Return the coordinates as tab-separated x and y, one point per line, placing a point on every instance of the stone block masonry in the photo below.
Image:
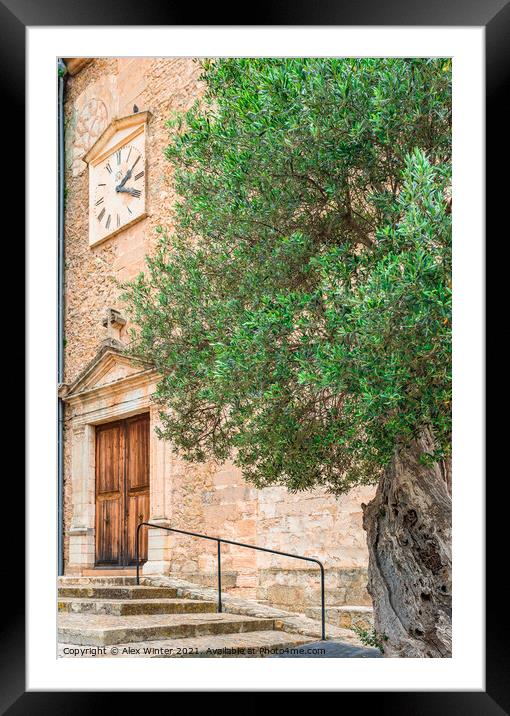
211	498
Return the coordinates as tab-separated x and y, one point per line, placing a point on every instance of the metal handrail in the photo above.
221	540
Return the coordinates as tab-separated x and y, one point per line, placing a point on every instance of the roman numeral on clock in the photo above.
112	218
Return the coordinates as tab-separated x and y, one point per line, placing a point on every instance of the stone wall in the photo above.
103	90
209	498
162	87
317	525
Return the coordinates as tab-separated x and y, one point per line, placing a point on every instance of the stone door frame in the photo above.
93	399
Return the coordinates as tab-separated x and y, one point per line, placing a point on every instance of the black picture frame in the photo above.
494	15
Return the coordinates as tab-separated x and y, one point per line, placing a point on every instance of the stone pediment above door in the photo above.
109	368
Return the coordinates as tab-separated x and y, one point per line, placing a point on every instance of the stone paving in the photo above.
329	650
255	644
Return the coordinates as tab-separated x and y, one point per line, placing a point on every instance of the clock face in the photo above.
118	196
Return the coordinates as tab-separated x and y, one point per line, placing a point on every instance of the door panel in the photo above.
122	489
109	458
108	531
138	512
137	452
109	493
137	484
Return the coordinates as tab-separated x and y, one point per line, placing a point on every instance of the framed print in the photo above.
255	262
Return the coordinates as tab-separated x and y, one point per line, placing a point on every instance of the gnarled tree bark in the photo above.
408	526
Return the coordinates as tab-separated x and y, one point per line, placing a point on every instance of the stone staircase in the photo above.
112	616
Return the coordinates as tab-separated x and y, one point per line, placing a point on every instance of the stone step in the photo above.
124	607
105	581
248	644
104	630
93	591
345	616
114	572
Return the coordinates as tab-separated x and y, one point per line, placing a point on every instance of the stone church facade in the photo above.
116	471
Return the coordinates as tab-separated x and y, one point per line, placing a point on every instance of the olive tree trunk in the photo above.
408	526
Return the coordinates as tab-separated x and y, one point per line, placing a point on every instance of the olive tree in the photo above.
299	312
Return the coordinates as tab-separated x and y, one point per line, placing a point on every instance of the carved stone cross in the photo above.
113	322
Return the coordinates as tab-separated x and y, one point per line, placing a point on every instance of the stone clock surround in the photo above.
111	388
123	131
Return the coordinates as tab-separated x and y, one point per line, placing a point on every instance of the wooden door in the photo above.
122	489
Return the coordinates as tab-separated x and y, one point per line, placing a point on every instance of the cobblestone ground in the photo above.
329	650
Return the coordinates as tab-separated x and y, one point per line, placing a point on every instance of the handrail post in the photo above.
323	604
219	577
136	553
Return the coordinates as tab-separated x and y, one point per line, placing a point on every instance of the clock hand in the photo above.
128	190
128	176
